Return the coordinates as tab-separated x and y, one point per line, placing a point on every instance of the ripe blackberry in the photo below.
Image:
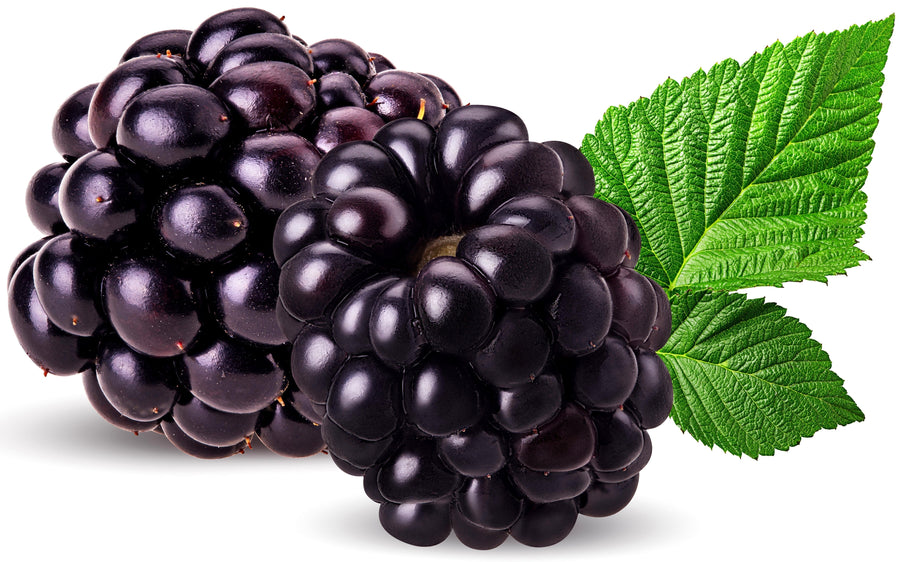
158	282
474	329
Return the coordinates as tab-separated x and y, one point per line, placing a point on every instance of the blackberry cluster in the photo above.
157	279
466	318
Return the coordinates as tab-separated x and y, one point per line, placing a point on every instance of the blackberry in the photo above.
474	329
158	282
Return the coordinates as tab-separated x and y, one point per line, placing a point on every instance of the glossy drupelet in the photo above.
468	316
158	281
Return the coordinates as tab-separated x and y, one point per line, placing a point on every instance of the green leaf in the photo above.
748	378
750	175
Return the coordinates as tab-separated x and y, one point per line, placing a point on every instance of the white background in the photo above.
71	484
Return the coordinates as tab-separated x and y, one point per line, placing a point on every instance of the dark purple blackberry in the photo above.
474	328
159	278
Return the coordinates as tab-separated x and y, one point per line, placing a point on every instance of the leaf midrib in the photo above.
739	374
